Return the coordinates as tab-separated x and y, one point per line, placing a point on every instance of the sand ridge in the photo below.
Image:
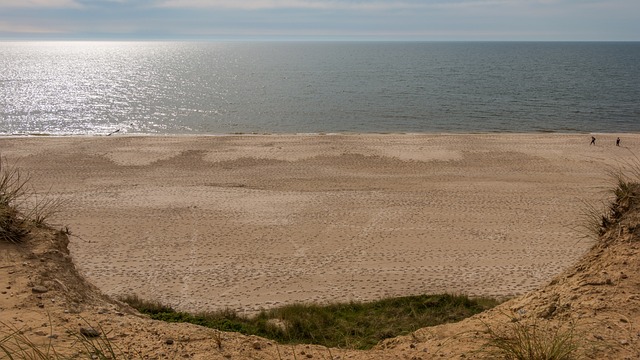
251	222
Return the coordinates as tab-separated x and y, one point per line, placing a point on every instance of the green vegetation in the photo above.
351	325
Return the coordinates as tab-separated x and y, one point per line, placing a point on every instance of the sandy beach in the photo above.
255	221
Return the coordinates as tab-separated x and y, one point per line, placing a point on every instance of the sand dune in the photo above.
251	222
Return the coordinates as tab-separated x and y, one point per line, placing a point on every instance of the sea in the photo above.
158	88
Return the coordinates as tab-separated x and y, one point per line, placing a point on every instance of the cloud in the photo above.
419	19
117	4
293	4
17	28
39	4
356	5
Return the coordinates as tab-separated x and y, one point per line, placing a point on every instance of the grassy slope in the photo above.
345	325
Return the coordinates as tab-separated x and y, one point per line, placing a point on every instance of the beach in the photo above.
248	222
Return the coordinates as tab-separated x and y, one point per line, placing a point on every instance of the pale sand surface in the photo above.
250	222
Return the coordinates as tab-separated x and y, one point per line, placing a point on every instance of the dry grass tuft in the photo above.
596	220
15	345
13	184
20	206
12	189
13	228
537	340
42	207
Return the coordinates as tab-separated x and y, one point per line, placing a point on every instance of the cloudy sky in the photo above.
430	20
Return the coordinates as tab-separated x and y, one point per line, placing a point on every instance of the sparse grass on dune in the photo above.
596	219
540	340
13	184
12	226
15	345
347	325
42	207
20	205
536	340
13	188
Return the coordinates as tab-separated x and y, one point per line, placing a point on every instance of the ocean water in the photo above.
67	88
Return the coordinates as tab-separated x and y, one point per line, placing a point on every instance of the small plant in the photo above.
21	207
12	225
626	194
12	189
520	340
15	345
43	207
145	306
594	221
98	346
217	337
13	184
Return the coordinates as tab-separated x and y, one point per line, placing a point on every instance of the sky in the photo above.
380	20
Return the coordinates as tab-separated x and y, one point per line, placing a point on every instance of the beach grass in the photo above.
20	204
353	325
13	188
535	340
598	218
13	183
15	345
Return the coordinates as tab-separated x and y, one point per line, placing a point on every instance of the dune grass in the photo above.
15	345
354	325
13	188
20	205
13	183
535	340
596	219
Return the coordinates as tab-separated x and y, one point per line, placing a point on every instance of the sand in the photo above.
255	221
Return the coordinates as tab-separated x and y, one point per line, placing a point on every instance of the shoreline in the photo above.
322	133
258	221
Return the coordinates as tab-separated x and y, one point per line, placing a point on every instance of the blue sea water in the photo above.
66	88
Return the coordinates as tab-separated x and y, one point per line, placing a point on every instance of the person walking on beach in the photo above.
593	140
618	142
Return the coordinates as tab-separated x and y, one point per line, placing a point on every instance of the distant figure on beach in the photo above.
618	142
593	140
